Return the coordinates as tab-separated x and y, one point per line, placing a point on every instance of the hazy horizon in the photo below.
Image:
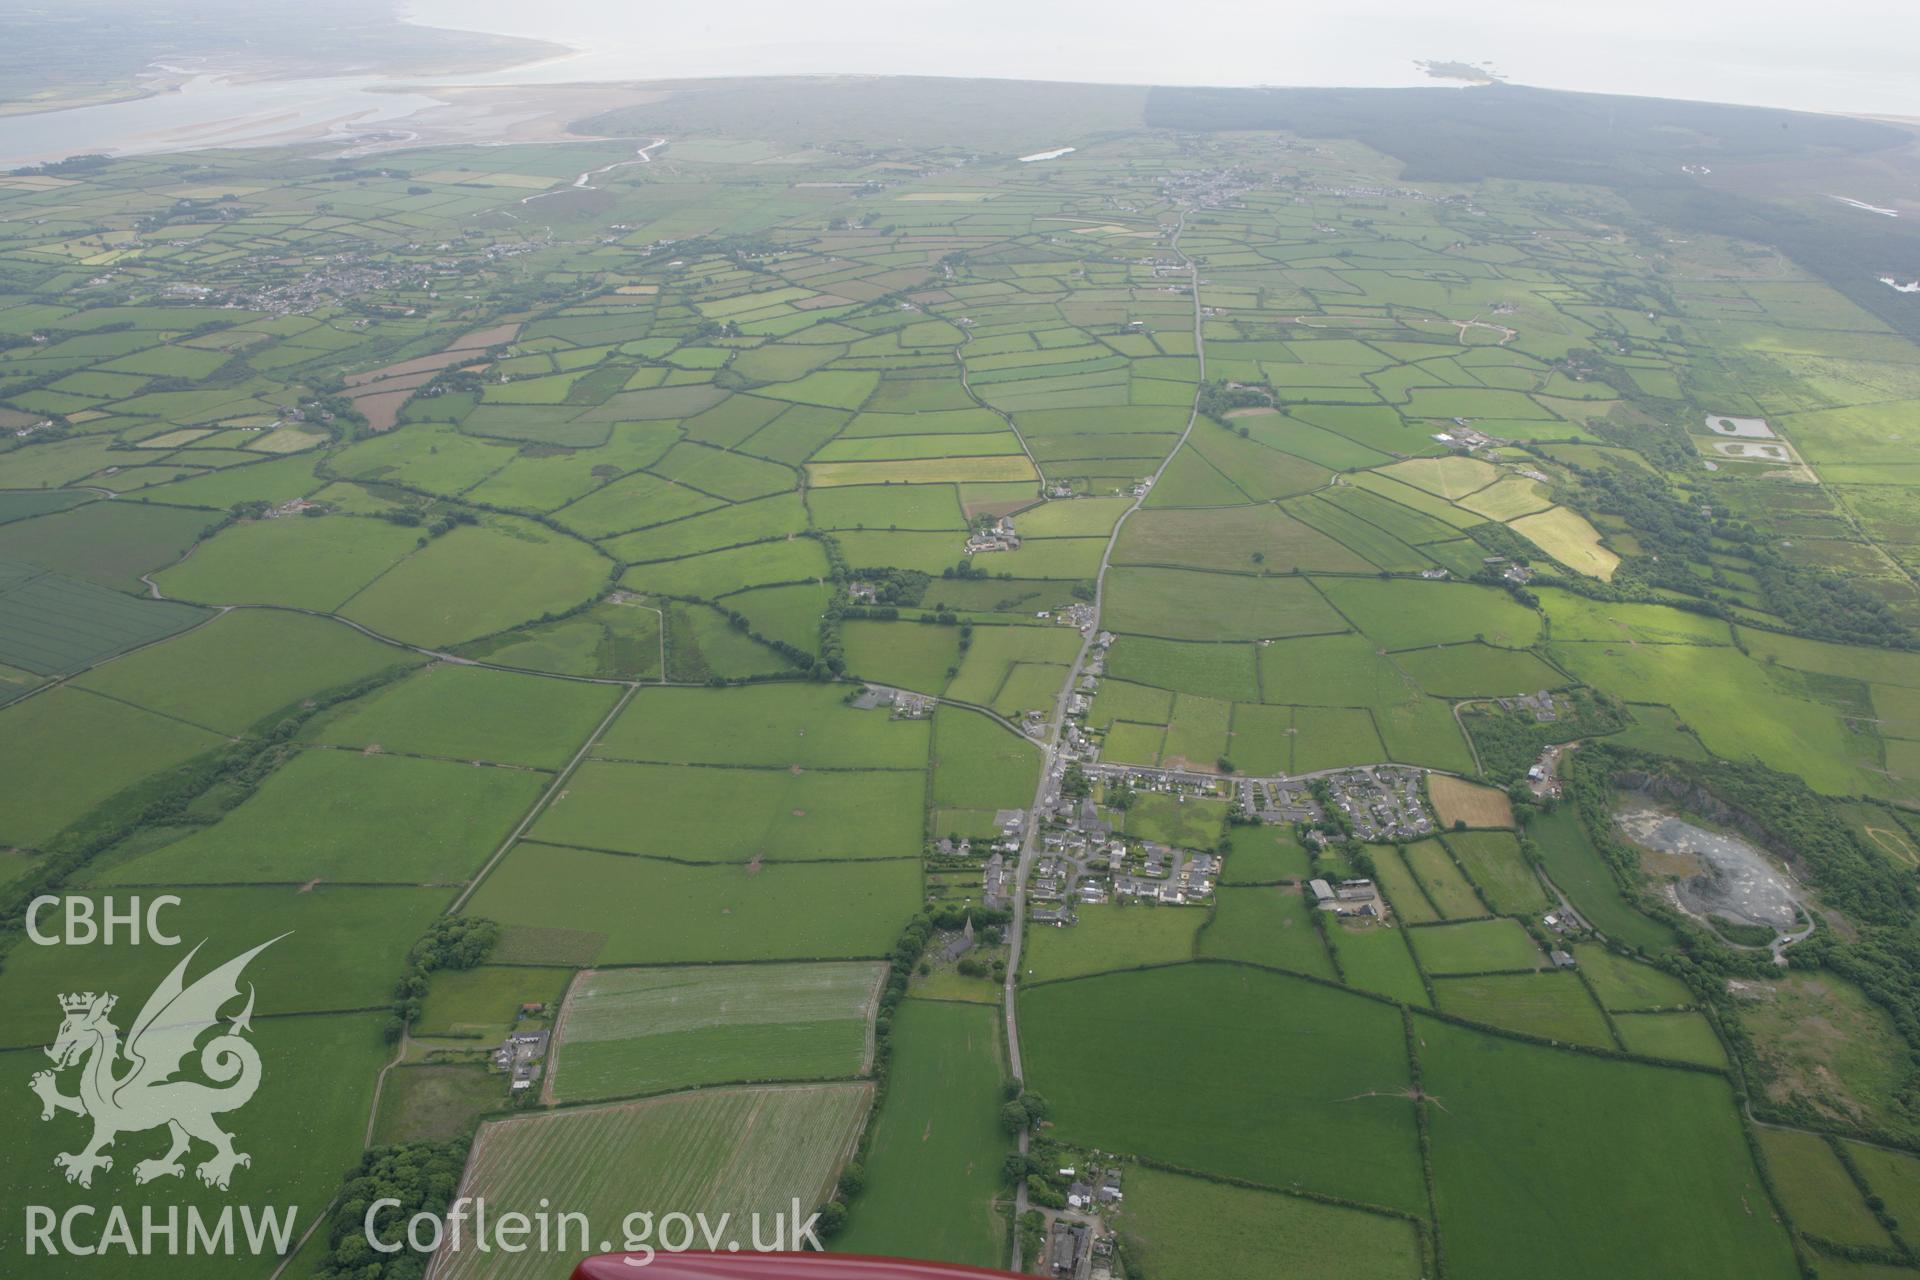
1855	57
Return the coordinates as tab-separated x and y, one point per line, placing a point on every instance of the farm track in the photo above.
1472	749
960	358
1057	721
380	1083
539	806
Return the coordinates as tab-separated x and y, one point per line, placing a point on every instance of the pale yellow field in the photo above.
1508	497
1013	466
521	181
288	440
1452	477
1567	537
211	192
1455	800
174	439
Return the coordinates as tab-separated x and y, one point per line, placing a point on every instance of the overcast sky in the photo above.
1828	55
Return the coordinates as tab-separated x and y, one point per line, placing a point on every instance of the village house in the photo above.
993	882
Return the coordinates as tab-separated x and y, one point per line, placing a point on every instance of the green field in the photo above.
701	814
1186	605
647	911
1403	615
1740	711
1679	1037
1893	1176
1816	1190
896	653
1478	671
54	625
1445	887
1475	946
990	671
471	713
243	666
1210	670
334	815
738	1151
1494	861
626	1032
1270	925
1332	671
1110	936
1553	1006
306	564
67	750
1377	959
619	640
1625	985
979	765
1502	1108
773	725
1321	1241
436	1103
1306	1083
933	1171
530	571
111	543
1406	893
1264	854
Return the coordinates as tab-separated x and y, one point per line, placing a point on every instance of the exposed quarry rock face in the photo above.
1733	878
1683	793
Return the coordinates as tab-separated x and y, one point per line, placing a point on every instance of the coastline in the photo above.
477	53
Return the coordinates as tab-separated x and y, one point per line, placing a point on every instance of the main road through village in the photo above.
1050	773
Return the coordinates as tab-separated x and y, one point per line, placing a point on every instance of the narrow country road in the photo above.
1049	783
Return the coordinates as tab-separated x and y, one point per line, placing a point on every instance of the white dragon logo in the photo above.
146	1095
